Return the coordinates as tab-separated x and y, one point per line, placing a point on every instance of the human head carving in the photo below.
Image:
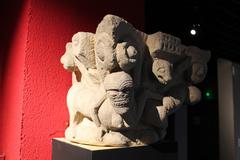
119	88
162	69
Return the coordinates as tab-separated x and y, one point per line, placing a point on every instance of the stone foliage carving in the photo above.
126	83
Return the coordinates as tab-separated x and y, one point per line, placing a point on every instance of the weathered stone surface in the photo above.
126	83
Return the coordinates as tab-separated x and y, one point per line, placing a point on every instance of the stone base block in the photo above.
65	150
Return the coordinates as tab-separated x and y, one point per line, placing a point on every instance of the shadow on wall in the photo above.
9	14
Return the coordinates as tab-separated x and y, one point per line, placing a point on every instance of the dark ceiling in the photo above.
219	23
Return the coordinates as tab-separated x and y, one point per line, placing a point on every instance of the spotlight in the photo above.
194	30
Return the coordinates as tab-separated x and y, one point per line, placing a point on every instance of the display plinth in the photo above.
65	150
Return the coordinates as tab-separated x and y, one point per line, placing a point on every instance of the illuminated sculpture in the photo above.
126	83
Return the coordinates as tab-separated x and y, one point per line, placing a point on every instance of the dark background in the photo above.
219	32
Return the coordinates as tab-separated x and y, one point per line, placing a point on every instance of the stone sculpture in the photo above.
126	83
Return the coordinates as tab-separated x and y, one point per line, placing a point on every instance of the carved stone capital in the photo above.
130	82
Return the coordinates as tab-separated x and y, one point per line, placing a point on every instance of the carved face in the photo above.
198	72
119	88
126	55
119	97
162	70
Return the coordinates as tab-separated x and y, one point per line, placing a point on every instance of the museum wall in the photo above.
33	82
14	31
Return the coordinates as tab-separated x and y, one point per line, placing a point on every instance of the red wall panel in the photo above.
40	111
13	56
